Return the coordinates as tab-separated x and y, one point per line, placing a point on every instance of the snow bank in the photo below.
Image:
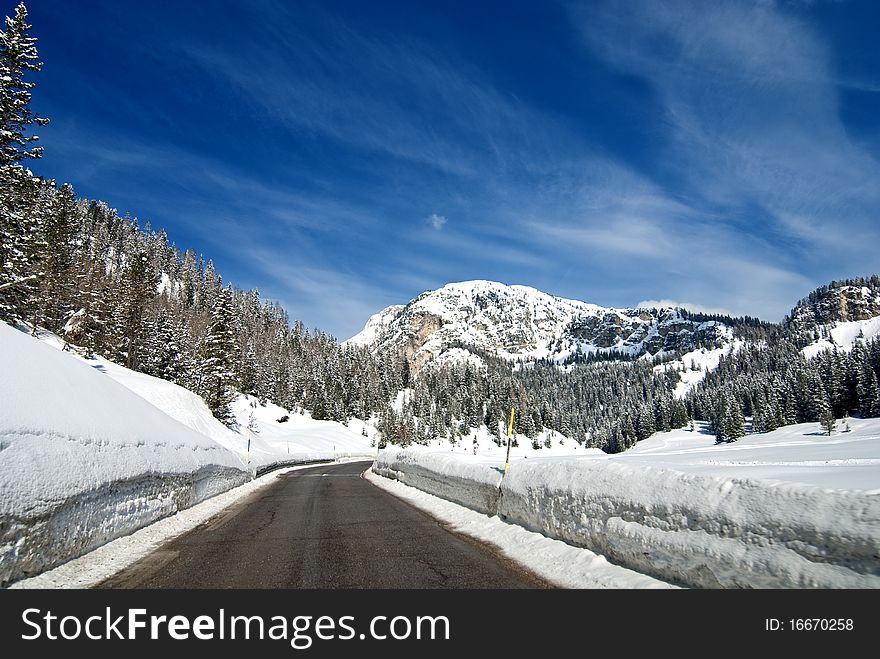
701	531
470	484
83	460
697	530
298	440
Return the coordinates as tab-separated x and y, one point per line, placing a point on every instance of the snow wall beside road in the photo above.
472	485
694	530
84	460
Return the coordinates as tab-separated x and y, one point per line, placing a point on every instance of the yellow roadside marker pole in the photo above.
509	440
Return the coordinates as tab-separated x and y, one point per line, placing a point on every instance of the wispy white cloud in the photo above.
437	221
402	98
749	89
626	230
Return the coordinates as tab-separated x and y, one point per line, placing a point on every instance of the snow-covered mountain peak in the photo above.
522	323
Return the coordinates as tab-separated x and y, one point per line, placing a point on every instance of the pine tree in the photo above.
870	402
18	57
218	373
629	431
662	414
761	414
19	235
790	408
644	423
19	221
679	416
821	408
252	424
734	423
139	287
86	326
56	295
167	358
828	422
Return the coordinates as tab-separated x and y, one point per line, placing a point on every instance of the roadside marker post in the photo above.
249	447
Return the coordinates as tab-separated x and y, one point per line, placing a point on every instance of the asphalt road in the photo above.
323	527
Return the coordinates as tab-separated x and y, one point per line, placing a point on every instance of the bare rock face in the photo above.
838	302
522	323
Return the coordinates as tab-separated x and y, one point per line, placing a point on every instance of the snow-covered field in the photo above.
791	508
90	451
799	453
792	454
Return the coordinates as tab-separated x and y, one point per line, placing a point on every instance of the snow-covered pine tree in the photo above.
870	403
139	287
18	187
828	422
18	57
167	360
644	423
252	424
629	431
821	408
19	236
217	369
760	413
679	414
56	291
734	423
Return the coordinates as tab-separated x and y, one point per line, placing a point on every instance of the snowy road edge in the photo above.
553	560
94	567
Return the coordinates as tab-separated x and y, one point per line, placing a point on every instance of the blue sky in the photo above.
344	156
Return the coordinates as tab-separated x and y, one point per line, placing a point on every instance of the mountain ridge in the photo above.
519	322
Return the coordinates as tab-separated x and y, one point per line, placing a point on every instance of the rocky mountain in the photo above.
522	323
843	301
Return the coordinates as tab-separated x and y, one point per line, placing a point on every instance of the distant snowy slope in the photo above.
693	366
843	335
519	322
300	434
77	446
